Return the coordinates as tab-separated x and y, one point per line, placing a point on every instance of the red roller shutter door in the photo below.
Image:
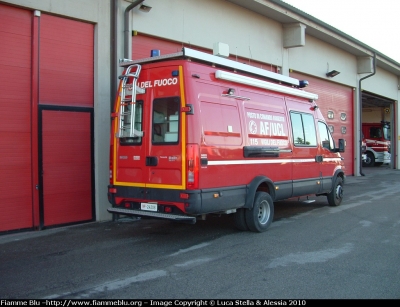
66	104
338	100
142	45
16	188
66	62
66	167
45	60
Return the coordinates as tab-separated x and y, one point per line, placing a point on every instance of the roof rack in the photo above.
209	58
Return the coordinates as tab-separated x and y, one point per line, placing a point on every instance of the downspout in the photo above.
114	51
360	106
114	42
126	28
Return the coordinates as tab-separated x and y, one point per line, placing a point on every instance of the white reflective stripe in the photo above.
275	161
232	162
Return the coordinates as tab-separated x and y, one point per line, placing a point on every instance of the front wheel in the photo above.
370	161
335	197
260	217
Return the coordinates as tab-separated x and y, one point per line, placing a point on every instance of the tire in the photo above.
370	161
260	217
335	197
239	220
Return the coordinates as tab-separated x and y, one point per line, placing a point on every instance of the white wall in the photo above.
205	22
317	58
382	83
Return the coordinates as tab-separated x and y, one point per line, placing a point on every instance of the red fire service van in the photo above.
195	134
377	140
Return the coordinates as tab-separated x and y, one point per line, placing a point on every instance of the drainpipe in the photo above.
126	28
360	103
114	51
114	42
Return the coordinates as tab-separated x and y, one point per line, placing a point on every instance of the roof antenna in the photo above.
236	53
251	56
183	27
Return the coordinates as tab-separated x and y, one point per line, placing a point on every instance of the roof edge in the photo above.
332	29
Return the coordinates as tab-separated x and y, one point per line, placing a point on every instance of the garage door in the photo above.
66	62
336	104
45	61
16	185
65	165
65	121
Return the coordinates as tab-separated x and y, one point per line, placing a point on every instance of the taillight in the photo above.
192	158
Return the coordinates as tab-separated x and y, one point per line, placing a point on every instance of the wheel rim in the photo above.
264	212
339	192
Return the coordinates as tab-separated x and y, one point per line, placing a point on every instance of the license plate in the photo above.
148	206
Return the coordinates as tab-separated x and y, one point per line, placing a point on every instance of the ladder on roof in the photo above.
127	109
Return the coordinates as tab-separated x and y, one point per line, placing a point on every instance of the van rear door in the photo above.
155	158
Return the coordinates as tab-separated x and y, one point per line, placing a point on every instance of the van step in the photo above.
180	218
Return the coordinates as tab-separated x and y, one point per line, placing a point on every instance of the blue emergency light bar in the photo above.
154	53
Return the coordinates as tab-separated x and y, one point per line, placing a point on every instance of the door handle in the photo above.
151	161
319	158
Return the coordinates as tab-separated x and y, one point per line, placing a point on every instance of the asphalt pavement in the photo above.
353	253
372	174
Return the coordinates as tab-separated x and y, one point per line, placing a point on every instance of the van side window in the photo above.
165	123
325	136
303	127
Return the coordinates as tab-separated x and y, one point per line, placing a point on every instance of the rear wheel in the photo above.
335	197
240	220
260	217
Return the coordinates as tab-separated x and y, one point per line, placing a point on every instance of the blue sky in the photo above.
375	23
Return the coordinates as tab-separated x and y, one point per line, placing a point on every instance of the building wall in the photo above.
317	58
203	23
383	83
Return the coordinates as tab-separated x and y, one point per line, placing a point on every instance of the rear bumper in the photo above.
196	202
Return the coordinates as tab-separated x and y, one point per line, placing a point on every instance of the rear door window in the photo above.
166	118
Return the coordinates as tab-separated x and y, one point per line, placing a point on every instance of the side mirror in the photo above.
342	146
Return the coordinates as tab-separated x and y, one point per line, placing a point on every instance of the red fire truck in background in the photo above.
195	134
377	140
